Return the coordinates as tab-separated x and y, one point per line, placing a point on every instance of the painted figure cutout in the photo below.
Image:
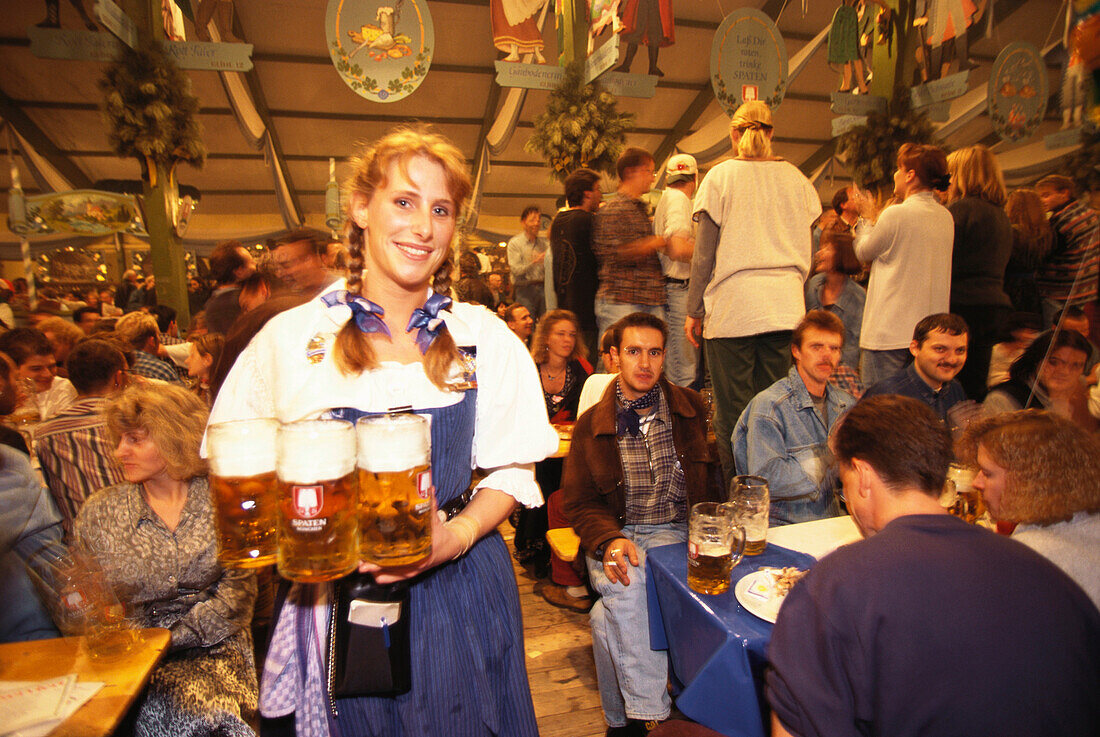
515	30
648	22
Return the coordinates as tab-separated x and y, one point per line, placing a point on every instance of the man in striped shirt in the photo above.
1068	277
73	448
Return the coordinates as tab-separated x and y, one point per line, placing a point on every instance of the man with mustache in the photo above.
939	352
783	433
637	463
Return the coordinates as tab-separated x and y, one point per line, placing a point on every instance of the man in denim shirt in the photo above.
783	433
939	351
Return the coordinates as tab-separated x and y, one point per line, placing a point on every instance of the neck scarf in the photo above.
368	316
627	418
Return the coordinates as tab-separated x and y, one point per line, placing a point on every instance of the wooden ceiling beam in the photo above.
12	111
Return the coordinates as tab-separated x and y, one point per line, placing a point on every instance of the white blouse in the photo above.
288	372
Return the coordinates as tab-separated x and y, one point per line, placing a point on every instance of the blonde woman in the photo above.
980	254
751	259
389	337
154	537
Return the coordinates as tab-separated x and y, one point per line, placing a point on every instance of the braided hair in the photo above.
352	351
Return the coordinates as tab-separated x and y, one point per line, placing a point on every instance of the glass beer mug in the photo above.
318	529
716	543
245	490
750	499
395	489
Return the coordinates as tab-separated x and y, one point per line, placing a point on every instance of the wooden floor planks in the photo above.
560	668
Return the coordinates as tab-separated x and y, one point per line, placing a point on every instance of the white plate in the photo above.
756	592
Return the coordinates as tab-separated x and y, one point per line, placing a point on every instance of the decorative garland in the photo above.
409	81
150	111
582	127
870	151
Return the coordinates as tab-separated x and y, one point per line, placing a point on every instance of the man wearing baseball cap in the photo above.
673	221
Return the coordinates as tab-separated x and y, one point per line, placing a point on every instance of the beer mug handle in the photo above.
735	556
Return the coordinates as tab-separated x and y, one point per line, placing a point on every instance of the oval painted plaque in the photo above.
748	60
1017	91
381	48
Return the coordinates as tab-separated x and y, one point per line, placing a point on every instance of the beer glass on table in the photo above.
245	490
962	499
715	545
318	528
395	489
750	498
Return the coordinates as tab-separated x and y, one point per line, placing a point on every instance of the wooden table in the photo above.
123	677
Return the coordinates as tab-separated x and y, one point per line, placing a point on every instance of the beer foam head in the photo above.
243	448
393	442
315	450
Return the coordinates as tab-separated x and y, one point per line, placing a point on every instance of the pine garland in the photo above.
870	151
581	127
150	111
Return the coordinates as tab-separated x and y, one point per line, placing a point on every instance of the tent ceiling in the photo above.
314	115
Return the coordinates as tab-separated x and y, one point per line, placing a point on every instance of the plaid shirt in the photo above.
654	478
636	281
152	367
76	456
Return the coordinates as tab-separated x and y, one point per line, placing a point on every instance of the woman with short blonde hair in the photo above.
154	537
980	254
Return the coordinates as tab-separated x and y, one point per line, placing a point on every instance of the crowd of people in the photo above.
851	354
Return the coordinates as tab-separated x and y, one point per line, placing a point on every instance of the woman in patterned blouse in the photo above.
154	537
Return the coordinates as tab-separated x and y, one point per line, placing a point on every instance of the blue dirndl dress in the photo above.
469	678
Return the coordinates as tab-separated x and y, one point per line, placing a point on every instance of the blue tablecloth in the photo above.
716	648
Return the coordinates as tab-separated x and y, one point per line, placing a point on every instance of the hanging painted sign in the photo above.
381	48
1017	91
748	60
81	211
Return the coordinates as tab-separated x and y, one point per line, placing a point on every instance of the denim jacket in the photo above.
781	437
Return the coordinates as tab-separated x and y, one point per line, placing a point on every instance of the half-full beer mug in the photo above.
245	490
716	543
318	529
395	489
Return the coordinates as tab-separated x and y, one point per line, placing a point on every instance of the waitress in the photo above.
389	337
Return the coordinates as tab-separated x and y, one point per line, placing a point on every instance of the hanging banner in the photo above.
1017	91
80	211
748	60
381	48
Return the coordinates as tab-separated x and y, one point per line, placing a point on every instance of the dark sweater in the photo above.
983	245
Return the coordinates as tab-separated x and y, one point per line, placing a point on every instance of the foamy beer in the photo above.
245	490
318	529
715	545
395	489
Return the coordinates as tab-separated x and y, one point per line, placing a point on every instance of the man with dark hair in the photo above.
636	465
846	206
139	330
470	287
526	260
892	636
783	433
36	366
624	244
85	318
1068	275
74	449
299	259
519	321
575	268
939	348
230	264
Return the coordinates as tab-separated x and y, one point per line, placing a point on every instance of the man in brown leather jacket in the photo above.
638	460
